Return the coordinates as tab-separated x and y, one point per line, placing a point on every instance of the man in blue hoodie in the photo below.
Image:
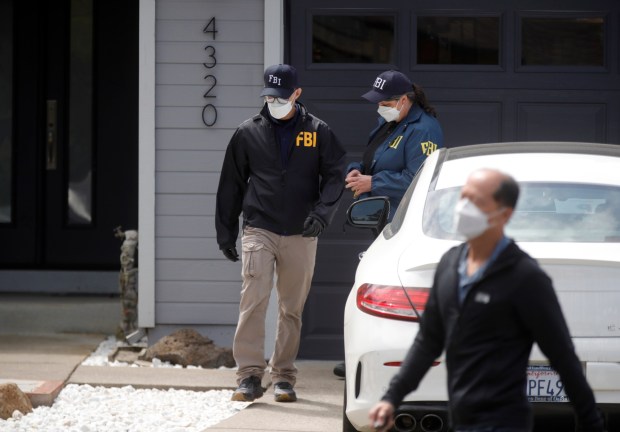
489	303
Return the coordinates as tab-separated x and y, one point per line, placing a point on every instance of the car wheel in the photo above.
346	424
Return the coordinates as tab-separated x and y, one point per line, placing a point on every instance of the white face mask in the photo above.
279	110
469	221
389	113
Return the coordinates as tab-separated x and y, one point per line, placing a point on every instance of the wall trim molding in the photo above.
146	174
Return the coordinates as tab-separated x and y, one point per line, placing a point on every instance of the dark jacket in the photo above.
399	157
488	341
278	199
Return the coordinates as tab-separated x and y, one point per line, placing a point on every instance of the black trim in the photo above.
531	147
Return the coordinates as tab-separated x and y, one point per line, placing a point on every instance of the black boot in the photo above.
339	370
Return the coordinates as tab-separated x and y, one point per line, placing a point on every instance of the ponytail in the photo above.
419	97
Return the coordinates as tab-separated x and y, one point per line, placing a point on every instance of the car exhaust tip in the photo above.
404	422
431	423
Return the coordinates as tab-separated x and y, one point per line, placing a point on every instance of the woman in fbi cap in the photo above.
406	133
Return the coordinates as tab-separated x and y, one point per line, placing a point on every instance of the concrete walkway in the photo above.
318	408
44	339
42	364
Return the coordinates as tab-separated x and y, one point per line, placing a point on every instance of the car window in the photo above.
397	221
545	212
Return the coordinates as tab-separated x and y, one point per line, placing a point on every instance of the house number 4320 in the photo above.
209	111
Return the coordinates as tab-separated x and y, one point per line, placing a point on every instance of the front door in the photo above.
68	132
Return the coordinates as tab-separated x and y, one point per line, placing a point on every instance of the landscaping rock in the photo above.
13	399
187	347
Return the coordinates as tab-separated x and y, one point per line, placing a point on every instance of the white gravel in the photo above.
99	357
83	408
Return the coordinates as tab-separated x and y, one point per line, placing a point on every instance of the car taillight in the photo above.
389	301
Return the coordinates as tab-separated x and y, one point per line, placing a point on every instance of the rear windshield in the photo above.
545	212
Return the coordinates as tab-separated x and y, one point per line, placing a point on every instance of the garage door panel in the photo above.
467	123
561	121
322	322
336	263
351	120
334	275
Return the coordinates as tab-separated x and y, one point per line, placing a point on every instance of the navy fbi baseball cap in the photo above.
389	83
280	81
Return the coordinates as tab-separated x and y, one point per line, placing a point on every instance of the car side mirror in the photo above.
369	213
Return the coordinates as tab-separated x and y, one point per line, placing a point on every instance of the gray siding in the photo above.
194	285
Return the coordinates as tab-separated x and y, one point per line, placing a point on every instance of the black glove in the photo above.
231	253
313	227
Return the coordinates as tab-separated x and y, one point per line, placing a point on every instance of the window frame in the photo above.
311	13
500	67
518	50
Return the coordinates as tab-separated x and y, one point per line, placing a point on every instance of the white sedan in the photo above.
567	217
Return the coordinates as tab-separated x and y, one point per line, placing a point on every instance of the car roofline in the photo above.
516	147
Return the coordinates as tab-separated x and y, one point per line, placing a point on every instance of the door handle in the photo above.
51	135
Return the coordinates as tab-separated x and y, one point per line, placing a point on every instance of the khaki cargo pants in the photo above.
292	259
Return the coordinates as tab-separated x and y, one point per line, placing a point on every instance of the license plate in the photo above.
544	385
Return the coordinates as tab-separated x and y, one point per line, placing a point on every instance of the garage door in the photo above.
495	71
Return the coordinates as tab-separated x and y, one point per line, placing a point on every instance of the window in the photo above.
353	39
546	212
399	213
562	41
453	40
79	190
